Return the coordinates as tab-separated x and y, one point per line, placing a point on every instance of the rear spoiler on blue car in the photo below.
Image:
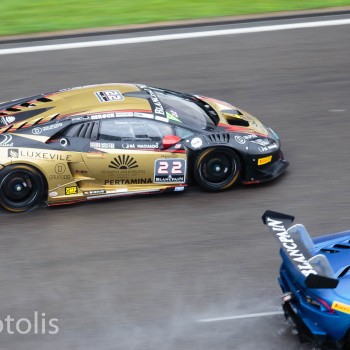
297	245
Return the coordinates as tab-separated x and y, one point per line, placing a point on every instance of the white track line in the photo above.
261	314
168	37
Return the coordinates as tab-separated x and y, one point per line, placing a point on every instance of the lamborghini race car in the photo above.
120	139
315	280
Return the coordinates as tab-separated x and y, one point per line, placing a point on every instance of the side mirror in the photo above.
170	140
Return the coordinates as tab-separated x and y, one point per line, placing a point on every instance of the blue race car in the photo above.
315	280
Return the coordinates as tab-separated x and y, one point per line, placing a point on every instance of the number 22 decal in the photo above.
170	170
175	169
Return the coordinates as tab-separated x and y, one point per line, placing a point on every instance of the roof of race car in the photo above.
65	103
103	101
106	101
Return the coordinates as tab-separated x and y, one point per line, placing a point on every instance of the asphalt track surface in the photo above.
142	272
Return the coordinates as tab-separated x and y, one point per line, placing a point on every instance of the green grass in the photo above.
32	16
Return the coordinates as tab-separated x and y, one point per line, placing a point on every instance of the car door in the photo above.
128	155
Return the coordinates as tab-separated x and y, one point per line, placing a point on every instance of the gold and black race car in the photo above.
114	140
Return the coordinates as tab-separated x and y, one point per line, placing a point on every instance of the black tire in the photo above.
346	343
217	169
21	188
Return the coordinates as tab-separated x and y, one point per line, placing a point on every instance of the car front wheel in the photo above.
21	188
217	169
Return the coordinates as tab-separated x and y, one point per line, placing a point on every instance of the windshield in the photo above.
185	109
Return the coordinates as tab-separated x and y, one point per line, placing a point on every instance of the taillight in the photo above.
321	304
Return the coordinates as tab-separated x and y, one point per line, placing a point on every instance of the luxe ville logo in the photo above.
38	324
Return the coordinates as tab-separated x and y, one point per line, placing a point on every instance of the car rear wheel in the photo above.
21	188
217	169
346	342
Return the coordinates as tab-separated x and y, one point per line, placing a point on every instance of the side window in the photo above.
123	129
157	130
183	133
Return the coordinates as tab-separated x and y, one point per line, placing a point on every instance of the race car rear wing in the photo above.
297	245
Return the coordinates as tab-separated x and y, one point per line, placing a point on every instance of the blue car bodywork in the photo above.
315	280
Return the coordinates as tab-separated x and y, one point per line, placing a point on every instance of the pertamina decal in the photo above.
337	305
118	182
265	160
71	190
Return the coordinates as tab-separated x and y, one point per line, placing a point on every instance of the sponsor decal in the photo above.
94	192
107	145
179	189
60	168
196	142
267	148
140	145
172	115
71	190
157	106
79	118
38	130
290	247
6	120
111	115
16	153
59	177
128	181
81	171
5	140
250	136
124	173
53	194
337	305
265	160
13	153
143	115
123	163
169	170
109	95
240	139
261	142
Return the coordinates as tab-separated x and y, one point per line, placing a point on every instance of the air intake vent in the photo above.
218	138
82	130
27	104
341	246
329	250
237	122
38	121
44	99
12	109
344	272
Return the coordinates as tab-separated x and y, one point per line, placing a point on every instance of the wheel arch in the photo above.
195	155
39	169
214	186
